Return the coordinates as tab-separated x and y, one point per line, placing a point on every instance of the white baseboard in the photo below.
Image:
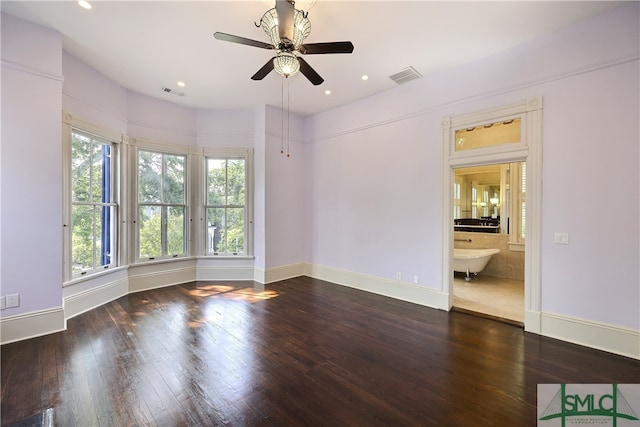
283	272
377	285
159	279
225	273
609	338
532	321
31	325
95	297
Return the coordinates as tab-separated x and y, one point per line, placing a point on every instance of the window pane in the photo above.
226	205
150	218
80	168
97	162
505	132
235	182
106	236
235	230
216	181
82	239
149	177
215	230
174	180
175	230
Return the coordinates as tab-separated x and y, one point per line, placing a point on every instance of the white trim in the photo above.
381	286
532	321
601	336
483	95
31	325
27	69
97	131
82	302
159	147
205	273
160	279
529	150
283	272
249	164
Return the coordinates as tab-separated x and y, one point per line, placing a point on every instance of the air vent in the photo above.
172	91
405	75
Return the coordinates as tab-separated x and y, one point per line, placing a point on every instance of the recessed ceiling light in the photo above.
85	4
365	77
181	84
327	92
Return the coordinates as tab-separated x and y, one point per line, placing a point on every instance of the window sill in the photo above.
227	257
161	260
93	275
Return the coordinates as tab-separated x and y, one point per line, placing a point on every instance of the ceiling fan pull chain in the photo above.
288	120
282	117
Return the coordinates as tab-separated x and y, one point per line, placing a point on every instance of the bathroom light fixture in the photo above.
85	4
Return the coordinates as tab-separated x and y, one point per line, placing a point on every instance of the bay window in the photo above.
162	205
93	203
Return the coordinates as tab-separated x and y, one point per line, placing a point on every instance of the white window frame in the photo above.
164	149
229	153
70	124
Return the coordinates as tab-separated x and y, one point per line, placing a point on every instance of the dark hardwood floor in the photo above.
302	353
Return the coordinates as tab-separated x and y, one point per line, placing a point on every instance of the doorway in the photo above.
461	152
489	216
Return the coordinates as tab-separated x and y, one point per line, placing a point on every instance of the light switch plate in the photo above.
561	238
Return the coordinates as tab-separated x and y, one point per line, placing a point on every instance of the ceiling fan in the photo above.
287	28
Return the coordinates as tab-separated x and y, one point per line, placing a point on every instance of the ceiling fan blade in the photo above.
310	73
329	47
285	11
262	72
241	40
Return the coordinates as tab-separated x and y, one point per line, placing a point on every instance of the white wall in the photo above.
93	98
31	174
375	168
160	120
284	190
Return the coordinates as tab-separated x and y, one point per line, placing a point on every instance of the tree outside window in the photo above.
92	203
161	204
225	206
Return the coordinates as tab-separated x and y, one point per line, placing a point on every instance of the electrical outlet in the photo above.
3	303
416	280
398	276
13	300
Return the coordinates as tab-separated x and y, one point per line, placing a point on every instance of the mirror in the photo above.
479	196
491	199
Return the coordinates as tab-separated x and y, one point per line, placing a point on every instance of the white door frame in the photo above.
529	149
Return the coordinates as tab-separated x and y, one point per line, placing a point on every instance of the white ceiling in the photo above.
147	45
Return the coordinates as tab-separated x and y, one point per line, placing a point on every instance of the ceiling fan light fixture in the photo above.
286	64
301	28
269	23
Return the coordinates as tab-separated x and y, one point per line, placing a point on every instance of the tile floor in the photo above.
492	296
